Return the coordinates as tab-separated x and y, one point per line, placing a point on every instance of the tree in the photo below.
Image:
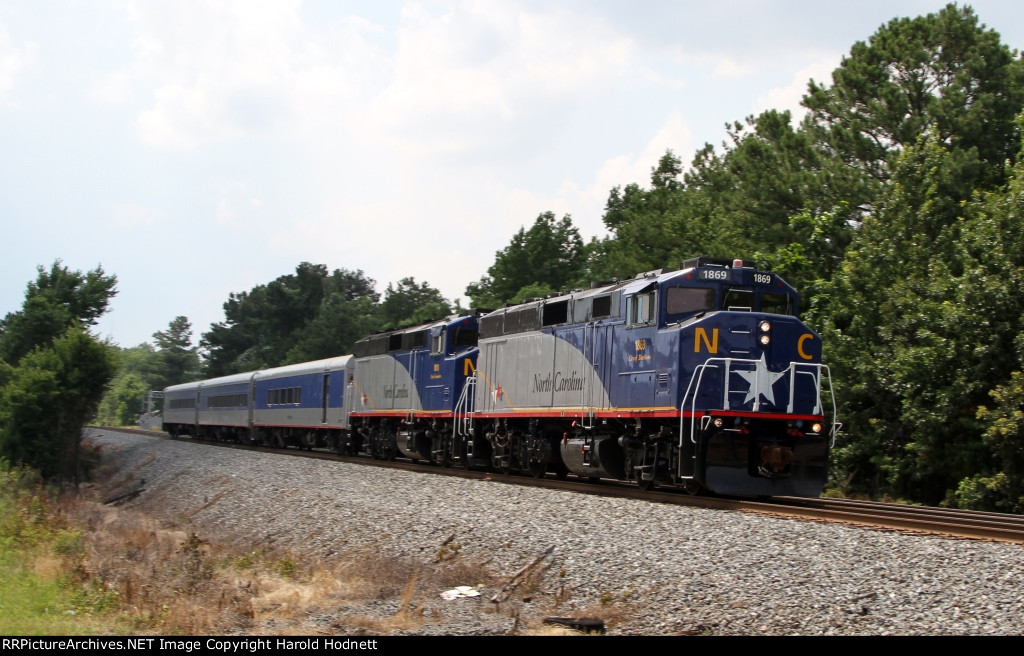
265	326
177	359
994	244
143	368
943	74
47	399
336	328
53	372
550	253
124	400
410	303
647	225
920	314
57	299
924	317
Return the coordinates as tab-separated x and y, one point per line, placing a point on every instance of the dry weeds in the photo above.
161	579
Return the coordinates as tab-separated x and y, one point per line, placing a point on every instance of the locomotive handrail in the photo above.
814	370
464	408
349	404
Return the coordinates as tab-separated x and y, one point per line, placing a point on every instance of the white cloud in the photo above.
210	70
130	215
476	75
237	206
12	60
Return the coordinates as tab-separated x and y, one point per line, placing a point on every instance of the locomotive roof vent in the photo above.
652	274
718	262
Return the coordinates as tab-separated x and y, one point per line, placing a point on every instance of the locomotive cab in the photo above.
752	415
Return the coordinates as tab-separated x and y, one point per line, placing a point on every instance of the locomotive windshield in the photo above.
746	300
777	303
684	301
739	300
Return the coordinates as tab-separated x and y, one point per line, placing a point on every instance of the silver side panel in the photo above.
535	371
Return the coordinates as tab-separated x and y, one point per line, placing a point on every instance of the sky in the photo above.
195	148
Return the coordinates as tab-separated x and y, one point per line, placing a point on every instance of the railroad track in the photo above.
1002	527
906	518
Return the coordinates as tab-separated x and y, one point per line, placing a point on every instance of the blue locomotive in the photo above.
406	384
701	378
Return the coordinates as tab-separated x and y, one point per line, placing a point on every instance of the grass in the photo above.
36	548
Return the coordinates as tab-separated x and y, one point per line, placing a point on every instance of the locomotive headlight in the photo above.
718	422
766	326
816	427
763	340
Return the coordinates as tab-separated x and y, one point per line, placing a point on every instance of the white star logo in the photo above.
761	381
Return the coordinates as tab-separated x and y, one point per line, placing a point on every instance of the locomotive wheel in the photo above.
646	486
693	488
538	456
464	456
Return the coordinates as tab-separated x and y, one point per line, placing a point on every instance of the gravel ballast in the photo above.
651	569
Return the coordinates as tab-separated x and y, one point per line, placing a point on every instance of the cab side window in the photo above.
641	308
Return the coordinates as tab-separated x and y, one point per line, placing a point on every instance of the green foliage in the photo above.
550	253
124	400
272	323
940	73
143	368
58	298
177	360
30	526
924	319
647	224
410	303
54	371
338	325
49	397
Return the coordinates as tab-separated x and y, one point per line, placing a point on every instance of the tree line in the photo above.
893	205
